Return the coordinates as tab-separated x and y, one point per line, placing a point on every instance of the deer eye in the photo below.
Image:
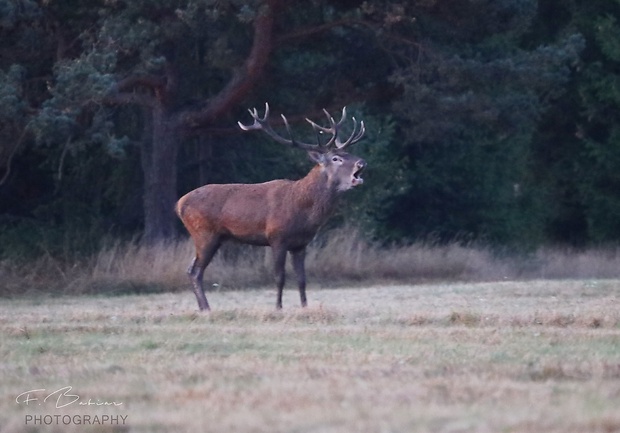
335	159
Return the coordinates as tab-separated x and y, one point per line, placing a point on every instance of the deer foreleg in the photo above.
279	262
299	257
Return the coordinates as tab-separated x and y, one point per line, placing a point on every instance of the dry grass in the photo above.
342	258
594	263
485	357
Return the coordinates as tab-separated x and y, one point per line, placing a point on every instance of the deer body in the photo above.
285	211
282	214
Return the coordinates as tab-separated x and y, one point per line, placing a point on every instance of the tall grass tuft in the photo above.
567	263
337	258
346	255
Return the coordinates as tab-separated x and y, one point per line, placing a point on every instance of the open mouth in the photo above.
357	176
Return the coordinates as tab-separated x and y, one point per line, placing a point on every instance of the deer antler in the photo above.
333	129
262	123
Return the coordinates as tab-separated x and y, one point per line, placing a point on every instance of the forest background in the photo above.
494	122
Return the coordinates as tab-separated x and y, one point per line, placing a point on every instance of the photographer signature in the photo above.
61	398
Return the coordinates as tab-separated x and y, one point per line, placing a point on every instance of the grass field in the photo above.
537	356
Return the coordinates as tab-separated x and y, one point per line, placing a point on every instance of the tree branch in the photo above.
172	82
125	91
347	22
12	154
244	79
311	31
133	98
133	81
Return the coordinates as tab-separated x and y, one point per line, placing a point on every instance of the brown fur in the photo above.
283	214
282	211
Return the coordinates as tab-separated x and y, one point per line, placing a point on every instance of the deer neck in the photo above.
316	193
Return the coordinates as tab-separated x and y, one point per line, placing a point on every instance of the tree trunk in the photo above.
205	154
159	157
159	154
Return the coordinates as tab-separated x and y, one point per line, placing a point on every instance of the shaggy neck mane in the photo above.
316	192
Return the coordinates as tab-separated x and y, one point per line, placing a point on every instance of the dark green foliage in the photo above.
577	151
600	163
487	120
470	106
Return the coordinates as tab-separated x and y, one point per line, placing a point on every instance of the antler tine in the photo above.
333	130
263	124
266	116
361	134
315	147
288	129
344	115
258	122
330	118
354	137
340	144
318	129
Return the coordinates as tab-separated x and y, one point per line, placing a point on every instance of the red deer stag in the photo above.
282	214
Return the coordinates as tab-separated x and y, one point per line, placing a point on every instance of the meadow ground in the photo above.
472	357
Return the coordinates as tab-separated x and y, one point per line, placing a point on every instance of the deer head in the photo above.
342	169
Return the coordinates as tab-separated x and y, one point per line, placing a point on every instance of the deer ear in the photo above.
317	157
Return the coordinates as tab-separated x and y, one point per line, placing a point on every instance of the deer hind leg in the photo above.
299	257
279	262
205	250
